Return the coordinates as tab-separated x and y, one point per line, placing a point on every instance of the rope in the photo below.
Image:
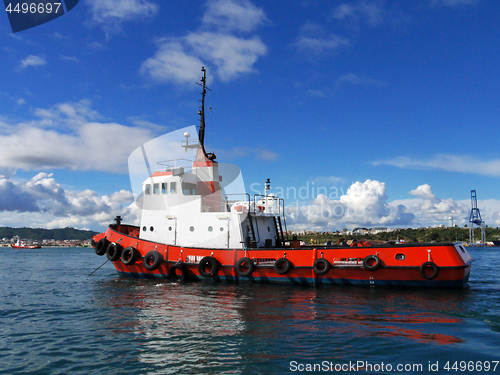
90	274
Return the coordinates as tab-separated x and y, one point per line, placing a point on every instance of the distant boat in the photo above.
18	244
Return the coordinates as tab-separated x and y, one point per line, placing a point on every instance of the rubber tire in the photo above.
93	243
320	271
434	272
114	251
173	275
214	267
240	271
373	267
156	259
129	256
286	266
101	247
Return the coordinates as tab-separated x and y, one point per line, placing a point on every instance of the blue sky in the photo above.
384	113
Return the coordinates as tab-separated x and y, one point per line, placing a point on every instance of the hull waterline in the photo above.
399	265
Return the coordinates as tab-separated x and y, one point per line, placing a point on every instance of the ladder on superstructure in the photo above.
280	238
250	232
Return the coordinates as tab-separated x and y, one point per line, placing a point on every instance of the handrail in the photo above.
160	164
284	216
267	197
240	194
187	164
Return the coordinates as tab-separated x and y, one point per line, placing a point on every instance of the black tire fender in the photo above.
248	264
172	272
282	266
101	247
129	256
114	251
321	266
433	266
374	266
211	262
152	260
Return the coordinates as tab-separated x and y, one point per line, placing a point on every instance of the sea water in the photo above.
56	319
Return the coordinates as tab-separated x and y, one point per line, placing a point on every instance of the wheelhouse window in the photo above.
188	188
156	188
147	189
173	187
164	187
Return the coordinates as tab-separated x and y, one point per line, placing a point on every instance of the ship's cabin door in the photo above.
171	231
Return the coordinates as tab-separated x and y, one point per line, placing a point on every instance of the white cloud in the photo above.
110	14
424	192
364	204
41	201
449	163
70	58
79	143
179	59
320	44
230	54
171	63
368	11
105	11
313	93
232	15
357	80
32	60
431	210
316	39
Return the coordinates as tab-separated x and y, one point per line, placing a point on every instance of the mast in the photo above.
201	112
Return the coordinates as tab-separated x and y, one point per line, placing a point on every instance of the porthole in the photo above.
144	228
400	257
191	228
170	229
151	228
210	229
268	229
222	229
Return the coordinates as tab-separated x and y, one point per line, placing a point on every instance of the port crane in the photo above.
475	220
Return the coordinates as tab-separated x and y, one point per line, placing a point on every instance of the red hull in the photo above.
446	265
26	246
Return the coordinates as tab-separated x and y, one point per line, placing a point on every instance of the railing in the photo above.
244	200
181	166
169	165
263	204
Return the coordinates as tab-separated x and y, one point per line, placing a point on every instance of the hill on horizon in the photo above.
39	234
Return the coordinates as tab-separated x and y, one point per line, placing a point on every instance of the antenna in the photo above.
201	112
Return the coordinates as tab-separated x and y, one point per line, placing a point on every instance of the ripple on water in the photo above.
57	320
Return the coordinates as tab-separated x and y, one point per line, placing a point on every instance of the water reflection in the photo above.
232	328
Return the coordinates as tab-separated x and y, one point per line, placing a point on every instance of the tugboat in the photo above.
195	225
18	244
